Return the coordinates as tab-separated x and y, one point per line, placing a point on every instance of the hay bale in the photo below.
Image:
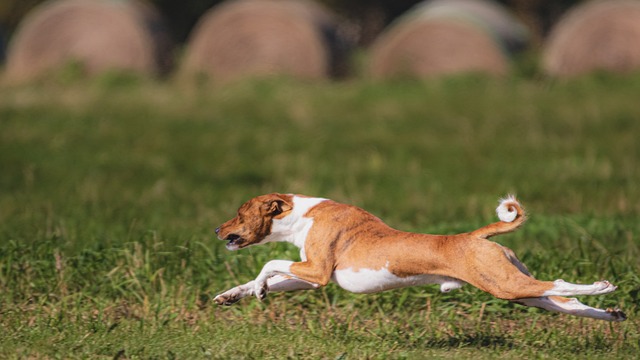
99	35
262	37
448	36
598	35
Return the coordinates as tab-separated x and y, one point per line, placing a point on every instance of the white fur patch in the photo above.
366	281
294	227
574	307
274	267
563	288
505	211
450	284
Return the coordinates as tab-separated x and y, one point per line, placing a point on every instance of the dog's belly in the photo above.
365	281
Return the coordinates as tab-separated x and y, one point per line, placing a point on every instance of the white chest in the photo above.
295	227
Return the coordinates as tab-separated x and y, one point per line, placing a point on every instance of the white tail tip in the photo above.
506	211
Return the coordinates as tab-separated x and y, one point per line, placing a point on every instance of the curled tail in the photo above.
511	215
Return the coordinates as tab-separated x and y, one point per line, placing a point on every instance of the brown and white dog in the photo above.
360	253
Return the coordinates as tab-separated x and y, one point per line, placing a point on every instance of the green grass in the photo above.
110	191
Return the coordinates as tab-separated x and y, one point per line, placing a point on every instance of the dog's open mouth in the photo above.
234	241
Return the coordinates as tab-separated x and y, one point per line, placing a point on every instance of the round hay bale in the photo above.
598	35
262	37
448	36
99	35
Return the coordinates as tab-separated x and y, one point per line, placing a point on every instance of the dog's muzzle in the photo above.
233	240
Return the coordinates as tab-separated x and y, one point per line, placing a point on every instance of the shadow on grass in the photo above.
478	340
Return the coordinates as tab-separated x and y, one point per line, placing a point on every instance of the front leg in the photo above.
276	283
317	274
233	295
270	269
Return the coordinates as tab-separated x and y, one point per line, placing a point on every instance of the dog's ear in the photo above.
277	206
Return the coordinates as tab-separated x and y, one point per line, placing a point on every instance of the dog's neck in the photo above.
294	227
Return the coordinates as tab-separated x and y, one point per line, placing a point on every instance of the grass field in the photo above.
110	191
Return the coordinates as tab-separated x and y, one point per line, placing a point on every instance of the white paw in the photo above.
227	298
605	287
232	296
447	286
260	290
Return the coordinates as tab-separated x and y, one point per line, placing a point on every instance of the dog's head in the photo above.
254	220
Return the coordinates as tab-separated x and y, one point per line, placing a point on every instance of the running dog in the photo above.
356	250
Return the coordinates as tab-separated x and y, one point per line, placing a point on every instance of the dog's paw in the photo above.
605	287
261	290
226	300
617	314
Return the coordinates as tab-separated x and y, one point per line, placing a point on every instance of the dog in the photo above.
356	250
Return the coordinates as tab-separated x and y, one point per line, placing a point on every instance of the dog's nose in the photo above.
217	230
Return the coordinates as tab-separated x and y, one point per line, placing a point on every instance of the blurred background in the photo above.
314	39
369	16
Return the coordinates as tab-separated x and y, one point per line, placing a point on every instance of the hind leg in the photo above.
573	307
496	270
561	287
